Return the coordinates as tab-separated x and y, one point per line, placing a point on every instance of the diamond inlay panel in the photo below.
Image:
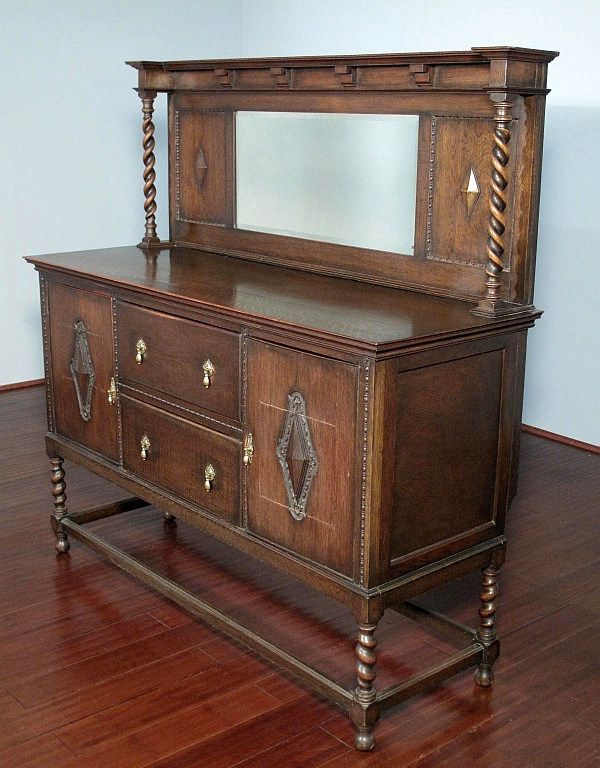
82	372
470	191
296	455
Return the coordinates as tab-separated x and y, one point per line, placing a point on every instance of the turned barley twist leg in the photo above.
363	712
495	245
57	477
150	237
486	634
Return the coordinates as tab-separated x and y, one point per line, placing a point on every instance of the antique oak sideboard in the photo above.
323	366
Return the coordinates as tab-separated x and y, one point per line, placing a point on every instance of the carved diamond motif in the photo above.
470	191
82	371
297	456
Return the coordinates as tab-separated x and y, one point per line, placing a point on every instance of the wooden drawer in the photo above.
178	455
175	352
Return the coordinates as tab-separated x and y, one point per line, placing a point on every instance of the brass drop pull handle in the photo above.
209	371
140	351
209	476
112	393
145	446
248	449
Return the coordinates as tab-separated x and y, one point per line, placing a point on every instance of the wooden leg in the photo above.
168	517
59	492
486	634
150	238
364	710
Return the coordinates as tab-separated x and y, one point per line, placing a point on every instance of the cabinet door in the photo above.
302	483
82	362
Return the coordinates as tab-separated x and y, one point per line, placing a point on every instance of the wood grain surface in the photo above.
97	670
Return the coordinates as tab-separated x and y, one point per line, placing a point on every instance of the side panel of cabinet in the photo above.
455	409
82	365
302	412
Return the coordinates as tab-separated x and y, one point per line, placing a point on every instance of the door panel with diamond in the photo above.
81	340
302	483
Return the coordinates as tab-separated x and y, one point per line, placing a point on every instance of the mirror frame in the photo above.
465	101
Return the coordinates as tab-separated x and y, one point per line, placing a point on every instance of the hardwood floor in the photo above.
96	670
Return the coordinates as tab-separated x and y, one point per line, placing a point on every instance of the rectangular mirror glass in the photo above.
340	178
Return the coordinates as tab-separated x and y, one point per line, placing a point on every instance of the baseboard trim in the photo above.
21	385
589	447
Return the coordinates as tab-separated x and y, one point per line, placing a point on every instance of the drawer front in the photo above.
304	476
81	347
187	360
178	454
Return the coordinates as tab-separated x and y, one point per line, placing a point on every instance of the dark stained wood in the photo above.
496	245
202	166
361	438
177	457
318	306
57	477
176	351
460	127
477	70
107	510
541	712
330	583
450	92
329	388
363	713
460	146
150	239
68	307
486	634
446	451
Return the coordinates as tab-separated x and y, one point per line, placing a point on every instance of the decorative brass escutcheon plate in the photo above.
209	372
145	446
140	351
209	476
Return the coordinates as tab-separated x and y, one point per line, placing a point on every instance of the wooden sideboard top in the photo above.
377	316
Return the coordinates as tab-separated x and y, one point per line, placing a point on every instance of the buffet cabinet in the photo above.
160	396
348	415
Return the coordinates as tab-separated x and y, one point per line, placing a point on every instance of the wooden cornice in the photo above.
473	56
521	70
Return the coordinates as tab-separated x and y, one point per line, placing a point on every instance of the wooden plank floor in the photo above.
96	670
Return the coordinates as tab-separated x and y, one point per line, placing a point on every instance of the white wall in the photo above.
70	155
562	392
70	161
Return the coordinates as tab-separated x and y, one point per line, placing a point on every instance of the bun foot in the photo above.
168	517
62	543
484	675
364	740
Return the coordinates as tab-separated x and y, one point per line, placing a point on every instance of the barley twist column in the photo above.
150	238
486	634
57	478
492	301
365	693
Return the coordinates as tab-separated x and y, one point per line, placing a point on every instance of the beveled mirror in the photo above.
340	178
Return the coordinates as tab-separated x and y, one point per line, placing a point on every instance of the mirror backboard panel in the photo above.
413	213
339	178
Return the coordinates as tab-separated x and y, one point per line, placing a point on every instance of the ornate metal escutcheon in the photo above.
82	371
297	456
